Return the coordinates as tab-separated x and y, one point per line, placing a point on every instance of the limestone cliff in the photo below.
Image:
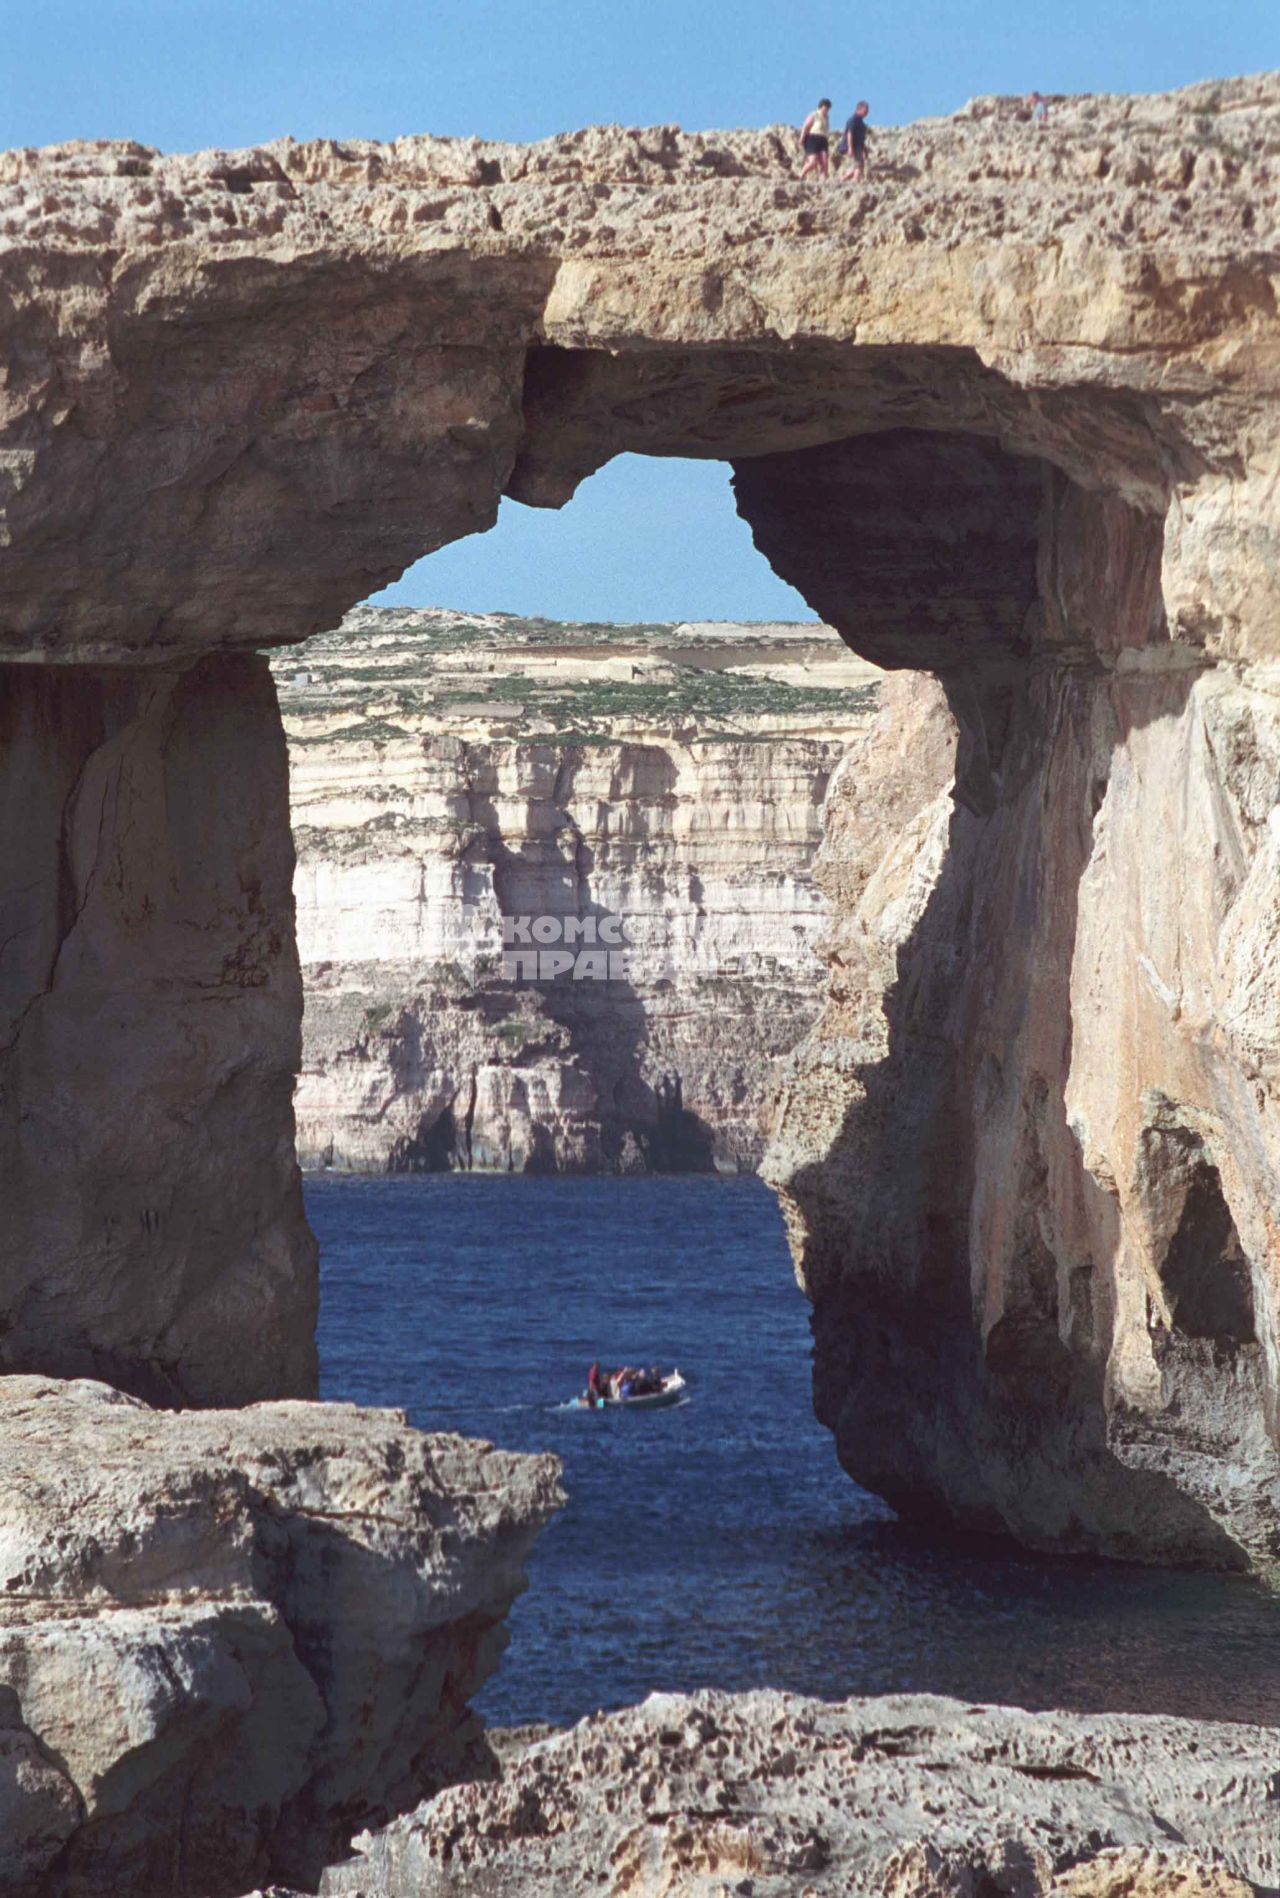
669	777
1034	1136
1008	414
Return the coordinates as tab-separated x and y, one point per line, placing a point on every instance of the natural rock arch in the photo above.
1007	416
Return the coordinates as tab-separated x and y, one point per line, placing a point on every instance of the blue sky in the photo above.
641	539
188	73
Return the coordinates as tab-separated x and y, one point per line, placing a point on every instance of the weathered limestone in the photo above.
446	773
277	376
149	1034
229	1638
1036	1136
39	1807
1008	413
910	1796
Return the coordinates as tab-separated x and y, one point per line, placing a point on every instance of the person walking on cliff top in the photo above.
854	144
1039	109
815	140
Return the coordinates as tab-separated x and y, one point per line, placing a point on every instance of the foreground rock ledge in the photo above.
909	1795
227	1639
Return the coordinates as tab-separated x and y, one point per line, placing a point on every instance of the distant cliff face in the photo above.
658	786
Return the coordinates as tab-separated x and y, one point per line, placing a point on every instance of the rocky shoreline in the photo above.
230	1638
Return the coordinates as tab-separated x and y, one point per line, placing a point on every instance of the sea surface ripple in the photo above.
719	1543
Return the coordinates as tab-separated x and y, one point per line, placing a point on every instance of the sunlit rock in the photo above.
456	779
228	1638
910	1797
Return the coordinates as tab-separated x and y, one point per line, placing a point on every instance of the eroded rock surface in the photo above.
907	1796
277	376
450	775
229	1638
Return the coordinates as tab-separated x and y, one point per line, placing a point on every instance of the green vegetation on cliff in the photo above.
390	671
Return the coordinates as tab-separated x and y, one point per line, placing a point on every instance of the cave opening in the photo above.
929	551
919	545
313	528
1207	1276
670	775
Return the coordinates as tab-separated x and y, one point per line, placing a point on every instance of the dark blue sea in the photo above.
719	1544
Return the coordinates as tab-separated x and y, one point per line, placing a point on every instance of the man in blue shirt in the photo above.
854	144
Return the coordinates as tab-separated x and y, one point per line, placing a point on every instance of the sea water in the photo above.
719	1543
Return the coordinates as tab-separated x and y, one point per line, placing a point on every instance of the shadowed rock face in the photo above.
149	1036
1008	413
1021	1207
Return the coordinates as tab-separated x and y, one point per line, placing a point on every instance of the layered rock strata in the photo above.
669	778
910	1797
228	1639
1009	413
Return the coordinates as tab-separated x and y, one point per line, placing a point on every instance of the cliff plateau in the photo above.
1008	416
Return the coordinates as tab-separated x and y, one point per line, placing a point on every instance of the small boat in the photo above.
670	1392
